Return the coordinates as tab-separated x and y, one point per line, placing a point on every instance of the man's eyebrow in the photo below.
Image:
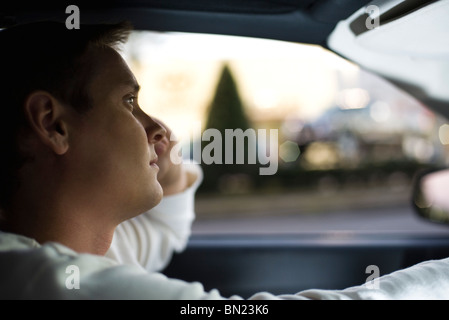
132	84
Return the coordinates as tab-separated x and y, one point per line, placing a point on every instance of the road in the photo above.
386	220
364	210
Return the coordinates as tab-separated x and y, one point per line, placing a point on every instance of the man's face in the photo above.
114	143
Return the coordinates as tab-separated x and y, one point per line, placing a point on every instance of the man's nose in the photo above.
155	129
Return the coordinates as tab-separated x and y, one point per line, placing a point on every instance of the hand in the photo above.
171	176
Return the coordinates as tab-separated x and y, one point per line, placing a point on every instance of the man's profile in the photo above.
84	172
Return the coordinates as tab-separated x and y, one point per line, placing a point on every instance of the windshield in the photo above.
291	137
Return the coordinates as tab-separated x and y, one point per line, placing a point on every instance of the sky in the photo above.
277	80
178	73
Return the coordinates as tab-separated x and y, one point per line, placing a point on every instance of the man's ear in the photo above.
45	115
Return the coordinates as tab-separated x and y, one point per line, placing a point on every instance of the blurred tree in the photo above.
226	111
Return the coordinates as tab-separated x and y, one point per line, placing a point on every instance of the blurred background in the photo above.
349	143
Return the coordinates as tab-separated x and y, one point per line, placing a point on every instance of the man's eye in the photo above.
131	100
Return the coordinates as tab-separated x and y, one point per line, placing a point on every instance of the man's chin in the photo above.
160	194
155	196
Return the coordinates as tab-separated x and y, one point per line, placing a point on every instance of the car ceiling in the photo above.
307	21
410	47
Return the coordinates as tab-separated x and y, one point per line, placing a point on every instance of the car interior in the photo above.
238	247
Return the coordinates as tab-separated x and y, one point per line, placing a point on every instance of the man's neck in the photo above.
82	237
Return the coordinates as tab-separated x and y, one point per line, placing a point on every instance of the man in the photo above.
81	163
87	156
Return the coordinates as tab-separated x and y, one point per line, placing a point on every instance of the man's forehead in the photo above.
114	70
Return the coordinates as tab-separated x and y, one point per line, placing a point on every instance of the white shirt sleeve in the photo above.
150	239
101	279
31	271
427	280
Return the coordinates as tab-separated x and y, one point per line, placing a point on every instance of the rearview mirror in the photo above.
431	196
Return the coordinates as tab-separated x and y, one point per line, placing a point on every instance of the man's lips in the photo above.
153	163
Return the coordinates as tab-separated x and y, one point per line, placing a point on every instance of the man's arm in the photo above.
150	239
172	174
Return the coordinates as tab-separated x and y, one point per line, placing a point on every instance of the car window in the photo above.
291	137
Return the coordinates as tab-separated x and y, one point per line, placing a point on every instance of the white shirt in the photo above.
150	239
29	270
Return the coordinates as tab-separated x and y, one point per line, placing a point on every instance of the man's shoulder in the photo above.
29	270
